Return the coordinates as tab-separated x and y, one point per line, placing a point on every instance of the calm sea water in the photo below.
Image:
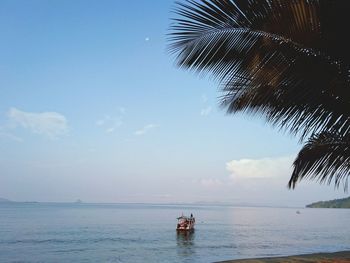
146	233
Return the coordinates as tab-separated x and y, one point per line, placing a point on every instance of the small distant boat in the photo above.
298	212
185	223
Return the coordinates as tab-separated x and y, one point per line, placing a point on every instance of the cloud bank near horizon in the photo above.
260	168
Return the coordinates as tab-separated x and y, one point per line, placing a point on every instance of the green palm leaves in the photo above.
285	60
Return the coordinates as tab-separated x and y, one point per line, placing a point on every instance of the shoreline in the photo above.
340	257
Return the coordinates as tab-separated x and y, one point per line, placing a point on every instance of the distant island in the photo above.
4	200
336	203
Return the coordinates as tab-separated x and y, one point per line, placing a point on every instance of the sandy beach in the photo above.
339	257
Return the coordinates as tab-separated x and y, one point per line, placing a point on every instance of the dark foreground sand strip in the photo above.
339	257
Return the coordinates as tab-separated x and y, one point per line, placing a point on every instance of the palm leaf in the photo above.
270	57
326	158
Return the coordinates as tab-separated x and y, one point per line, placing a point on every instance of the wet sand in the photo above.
339	257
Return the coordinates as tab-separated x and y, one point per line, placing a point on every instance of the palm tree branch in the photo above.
325	158
245	60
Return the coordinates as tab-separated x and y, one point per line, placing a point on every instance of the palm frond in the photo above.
316	24
271	57
303	97
325	158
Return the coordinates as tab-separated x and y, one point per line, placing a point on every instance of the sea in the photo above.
62	232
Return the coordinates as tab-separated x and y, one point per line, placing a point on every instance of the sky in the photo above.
93	107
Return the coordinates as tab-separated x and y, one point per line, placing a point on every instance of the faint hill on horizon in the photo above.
336	203
4	200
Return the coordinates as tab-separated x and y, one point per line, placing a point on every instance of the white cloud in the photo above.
50	124
260	168
206	111
122	110
100	122
104	120
111	123
110	130
145	129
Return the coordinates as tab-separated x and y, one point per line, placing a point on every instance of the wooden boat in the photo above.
185	223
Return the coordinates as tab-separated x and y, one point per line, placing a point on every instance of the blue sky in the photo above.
92	106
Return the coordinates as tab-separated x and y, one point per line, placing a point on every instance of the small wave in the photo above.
219	247
71	250
72	241
33	241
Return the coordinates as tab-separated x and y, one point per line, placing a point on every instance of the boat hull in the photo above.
184	229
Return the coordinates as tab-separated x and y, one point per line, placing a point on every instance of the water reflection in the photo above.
185	243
